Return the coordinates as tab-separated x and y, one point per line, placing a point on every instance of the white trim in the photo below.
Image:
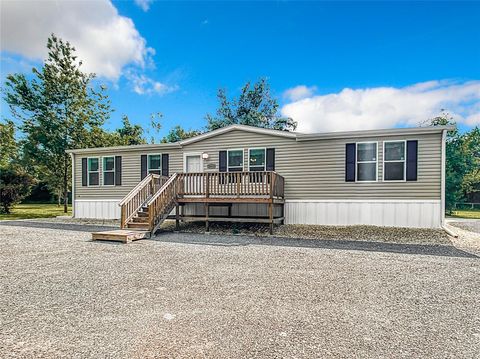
363	200
98	200
88	172
103	172
373	133
356	162
442	176
148	162
395	161
72	156
257	148
265	131
243	158
188	154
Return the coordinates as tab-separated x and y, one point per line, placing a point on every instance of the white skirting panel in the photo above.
392	213
99	209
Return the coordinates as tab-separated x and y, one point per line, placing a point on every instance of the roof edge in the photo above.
370	133
219	131
125	148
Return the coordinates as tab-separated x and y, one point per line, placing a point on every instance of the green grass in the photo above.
35	210
466	213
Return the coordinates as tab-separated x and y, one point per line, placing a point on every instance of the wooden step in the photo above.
140	219
120	235
142	214
142	226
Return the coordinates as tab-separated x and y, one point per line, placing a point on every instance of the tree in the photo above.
15	185
456	166
254	107
178	133
471	180
8	145
58	110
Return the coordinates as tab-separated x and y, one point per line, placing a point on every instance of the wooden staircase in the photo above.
144	209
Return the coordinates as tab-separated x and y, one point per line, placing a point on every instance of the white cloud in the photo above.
105	40
386	107
299	92
144	85
144	4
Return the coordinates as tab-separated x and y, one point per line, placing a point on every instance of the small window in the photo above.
108	171
93	171
256	159
394	161
235	160
155	164
367	162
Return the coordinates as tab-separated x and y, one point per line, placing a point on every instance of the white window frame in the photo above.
392	161
148	163
243	159
98	171
357	162
103	172
258	148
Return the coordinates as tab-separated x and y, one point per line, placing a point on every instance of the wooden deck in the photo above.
148	204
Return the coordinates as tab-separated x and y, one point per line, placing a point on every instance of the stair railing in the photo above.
136	198
161	203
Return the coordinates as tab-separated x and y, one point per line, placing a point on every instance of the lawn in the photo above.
35	210
465	213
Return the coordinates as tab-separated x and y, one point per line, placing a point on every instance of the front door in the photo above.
193	163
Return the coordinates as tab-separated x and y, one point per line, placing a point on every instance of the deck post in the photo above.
270	204
177	217
207	225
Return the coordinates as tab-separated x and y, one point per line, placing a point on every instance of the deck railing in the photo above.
137	197
160	204
232	184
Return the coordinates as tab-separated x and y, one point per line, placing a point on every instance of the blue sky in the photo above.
333	66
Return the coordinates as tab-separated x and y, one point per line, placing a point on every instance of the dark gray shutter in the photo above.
118	170
270	159
350	155
412	159
143	166
84	171
222	161
165	164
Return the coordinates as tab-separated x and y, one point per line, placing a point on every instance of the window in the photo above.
256	159
154	164
93	169
109	171
235	160
366	162
394	161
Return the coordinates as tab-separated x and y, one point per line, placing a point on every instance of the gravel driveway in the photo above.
190	295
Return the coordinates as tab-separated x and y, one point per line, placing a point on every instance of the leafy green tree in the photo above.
471	179
57	110
254	107
15	185
8	144
178	133
456	160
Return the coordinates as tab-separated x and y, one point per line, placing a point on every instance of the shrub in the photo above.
15	185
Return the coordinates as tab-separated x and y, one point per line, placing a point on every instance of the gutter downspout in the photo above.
442	194
73	184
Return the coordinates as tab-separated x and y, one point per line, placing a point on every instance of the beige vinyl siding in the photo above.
130	173
313	170
316	169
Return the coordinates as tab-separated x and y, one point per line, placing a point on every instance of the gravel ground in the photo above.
471	225
188	295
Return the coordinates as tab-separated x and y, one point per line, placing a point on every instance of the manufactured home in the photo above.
240	173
